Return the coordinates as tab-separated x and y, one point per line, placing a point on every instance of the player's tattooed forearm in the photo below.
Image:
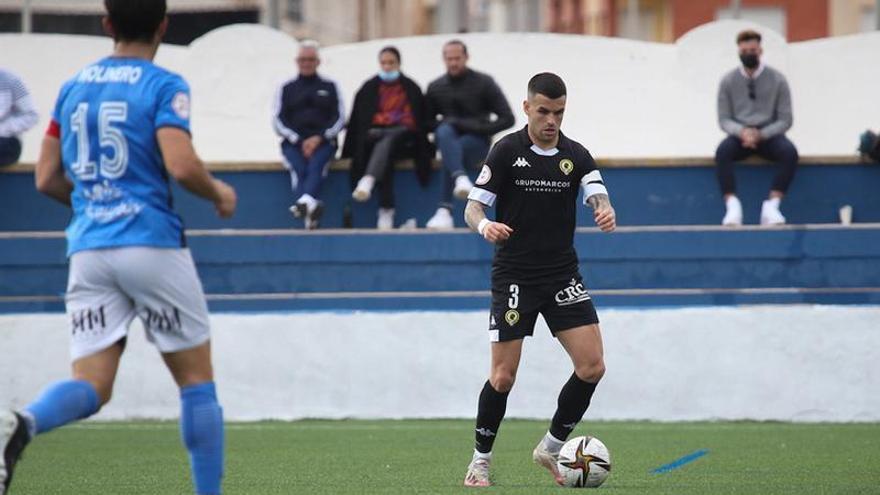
598	201
474	213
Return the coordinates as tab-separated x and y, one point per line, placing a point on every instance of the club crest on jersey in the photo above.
521	162
485	176
511	317
180	104
566	165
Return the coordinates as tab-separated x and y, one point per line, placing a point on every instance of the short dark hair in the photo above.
748	35
547	84
456	42
392	50
135	20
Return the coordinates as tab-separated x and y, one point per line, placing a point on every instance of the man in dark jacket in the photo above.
308	115
465	109
387	123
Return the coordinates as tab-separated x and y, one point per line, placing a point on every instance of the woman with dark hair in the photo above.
386	123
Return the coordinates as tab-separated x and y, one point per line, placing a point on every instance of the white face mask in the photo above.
389	76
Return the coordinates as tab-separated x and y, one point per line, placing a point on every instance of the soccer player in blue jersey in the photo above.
120	127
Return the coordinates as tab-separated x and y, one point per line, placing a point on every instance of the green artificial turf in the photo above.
431	457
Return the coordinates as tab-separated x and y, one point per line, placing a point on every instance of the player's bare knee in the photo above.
502	380
591	372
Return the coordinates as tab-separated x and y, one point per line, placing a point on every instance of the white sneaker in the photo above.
386	219
364	188
547	460
734	215
299	210
442	220
770	214
478	473
463	186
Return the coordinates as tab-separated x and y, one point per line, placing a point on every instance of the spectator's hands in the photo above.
310	145
605	218
226	199
496	232
750	137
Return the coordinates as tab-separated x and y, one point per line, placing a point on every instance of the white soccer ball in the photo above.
584	462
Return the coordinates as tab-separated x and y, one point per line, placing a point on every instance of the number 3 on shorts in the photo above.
513	302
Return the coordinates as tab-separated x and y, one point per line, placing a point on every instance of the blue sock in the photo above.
61	403
201	427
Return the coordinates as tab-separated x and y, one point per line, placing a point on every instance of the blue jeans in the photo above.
307	175
10	150
458	151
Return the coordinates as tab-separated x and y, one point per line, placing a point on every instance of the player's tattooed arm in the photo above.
475	216
49	174
603	212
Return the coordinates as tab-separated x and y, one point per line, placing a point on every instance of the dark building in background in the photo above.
185	25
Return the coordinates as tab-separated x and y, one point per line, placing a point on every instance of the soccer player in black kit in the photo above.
533	178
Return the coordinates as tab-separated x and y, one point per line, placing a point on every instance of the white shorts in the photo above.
107	288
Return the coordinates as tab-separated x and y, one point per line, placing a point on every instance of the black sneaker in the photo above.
13	438
314	218
299	210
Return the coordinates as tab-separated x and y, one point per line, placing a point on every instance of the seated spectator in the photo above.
308	116
869	146
754	109
461	106
386	123
17	114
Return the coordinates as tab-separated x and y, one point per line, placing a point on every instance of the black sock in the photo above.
574	399
490	412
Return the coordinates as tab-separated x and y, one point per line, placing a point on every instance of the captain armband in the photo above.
593	185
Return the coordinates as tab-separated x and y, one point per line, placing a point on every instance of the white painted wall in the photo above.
626	98
799	363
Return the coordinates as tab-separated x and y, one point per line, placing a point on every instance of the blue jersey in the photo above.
108	115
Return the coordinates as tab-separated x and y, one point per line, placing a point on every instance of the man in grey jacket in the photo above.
754	109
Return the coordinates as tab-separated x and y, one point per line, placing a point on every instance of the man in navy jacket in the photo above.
308	116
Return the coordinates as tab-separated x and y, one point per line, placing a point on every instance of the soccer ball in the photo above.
584	462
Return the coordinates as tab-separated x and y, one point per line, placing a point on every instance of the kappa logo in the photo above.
521	162
486	432
573	294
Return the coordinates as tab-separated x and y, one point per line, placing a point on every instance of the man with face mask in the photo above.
754	109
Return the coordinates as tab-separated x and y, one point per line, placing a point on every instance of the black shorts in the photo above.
515	308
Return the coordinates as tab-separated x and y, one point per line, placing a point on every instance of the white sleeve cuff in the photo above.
483	196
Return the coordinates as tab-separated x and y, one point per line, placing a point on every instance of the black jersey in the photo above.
535	192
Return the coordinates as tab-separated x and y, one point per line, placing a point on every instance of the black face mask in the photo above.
749	60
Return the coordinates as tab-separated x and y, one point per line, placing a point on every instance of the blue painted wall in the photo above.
642	196
832	258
